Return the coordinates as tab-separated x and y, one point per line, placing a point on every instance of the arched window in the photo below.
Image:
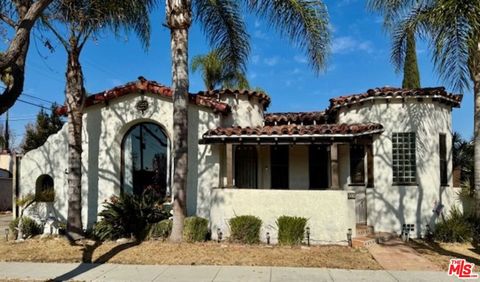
44	189
144	160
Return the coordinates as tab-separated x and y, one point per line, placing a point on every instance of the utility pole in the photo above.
7	135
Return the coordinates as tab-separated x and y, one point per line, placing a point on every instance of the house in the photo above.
381	158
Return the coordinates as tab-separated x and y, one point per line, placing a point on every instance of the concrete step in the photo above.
364	230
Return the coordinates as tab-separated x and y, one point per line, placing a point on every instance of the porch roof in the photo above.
291	133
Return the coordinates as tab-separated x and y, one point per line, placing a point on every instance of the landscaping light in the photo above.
219	235
349	237
6	233
268	238
308	235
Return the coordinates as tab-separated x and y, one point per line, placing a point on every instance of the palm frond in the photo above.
93	16
305	23
417	22
453	23
222	23
392	10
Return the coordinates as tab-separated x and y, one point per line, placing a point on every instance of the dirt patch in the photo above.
441	253
210	253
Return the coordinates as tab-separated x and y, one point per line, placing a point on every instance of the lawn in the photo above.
209	253
441	253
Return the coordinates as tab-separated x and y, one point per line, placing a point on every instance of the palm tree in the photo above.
454	31
304	22
215	73
12	61
393	11
82	19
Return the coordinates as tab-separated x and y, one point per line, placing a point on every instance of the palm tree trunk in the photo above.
476	134
179	19
75	93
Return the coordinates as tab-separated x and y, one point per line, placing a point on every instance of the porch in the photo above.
313	171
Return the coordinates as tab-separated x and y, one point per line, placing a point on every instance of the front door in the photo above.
361	205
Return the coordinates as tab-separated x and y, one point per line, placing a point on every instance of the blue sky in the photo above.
360	60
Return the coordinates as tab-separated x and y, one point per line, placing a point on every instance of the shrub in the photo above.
30	227
455	228
245	229
129	215
161	229
195	229
291	230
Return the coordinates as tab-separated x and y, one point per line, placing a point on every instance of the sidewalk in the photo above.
116	272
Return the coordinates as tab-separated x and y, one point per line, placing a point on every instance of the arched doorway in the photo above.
145	159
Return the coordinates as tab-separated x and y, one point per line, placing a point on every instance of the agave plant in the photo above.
130	216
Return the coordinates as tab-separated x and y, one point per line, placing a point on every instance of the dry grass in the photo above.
441	253
210	253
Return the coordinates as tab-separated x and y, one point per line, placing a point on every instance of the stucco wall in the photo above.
103	131
245	111
6	162
329	213
390	205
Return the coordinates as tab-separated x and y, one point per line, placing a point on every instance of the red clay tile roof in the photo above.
262	97
391	92
148	86
279	130
301	118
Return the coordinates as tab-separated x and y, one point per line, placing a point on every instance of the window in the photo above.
318	167
404	160
144	160
443	159
44	191
246	167
279	164
357	164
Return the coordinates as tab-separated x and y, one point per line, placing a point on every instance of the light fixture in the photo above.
308	235
349	237
219	235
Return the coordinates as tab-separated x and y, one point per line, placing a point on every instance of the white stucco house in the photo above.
381	158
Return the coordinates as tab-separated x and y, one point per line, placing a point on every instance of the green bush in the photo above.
455	228
195	229
245	229
129	215
30	227
161	230
291	230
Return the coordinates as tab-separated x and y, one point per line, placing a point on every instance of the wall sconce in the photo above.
308	235
268	238
6	233
219	235
349	237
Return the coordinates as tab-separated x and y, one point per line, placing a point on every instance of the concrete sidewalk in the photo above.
116	272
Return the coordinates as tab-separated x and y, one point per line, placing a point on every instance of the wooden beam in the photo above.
334	167
370	179
229	164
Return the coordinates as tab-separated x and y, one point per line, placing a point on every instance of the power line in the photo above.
40	99
32	104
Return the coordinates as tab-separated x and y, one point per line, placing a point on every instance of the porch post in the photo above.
334	183
369	150
229	164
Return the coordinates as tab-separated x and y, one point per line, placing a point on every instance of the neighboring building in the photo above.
381	158
6	173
